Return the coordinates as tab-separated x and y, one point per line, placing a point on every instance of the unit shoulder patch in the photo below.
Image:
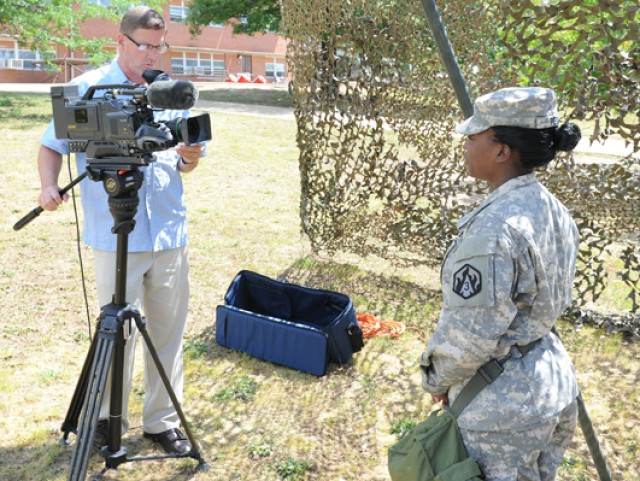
467	281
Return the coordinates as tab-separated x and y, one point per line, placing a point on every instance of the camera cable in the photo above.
79	247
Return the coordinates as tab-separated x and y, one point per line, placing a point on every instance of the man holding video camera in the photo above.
158	272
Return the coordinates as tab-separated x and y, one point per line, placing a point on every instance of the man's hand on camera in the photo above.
189	156
50	198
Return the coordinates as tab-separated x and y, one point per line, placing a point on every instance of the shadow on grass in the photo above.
386	297
52	459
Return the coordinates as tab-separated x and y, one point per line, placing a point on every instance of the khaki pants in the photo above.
532	454
158	285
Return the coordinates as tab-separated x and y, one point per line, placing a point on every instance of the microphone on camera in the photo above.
172	94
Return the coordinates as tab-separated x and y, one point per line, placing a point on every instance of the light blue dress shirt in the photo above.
161	215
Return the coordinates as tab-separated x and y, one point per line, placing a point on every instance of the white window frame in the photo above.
177	70
275	70
204	65
19	58
184	13
173	13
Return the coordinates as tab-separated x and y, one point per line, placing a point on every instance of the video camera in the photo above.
118	128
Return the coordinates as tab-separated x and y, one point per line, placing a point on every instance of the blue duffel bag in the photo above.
295	326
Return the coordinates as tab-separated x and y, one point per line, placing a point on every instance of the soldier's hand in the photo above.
440	398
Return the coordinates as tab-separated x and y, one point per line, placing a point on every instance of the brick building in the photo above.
215	55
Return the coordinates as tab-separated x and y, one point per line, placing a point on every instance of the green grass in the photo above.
254	421
242	389
292	469
402	426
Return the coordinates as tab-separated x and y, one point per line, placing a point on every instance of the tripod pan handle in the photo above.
38	210
28	218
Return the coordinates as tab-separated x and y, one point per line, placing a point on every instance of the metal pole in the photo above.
448	57
592	441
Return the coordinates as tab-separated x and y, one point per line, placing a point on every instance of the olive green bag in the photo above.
433	451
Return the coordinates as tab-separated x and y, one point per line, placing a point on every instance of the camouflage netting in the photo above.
382	172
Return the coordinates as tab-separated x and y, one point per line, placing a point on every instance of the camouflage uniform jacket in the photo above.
505	279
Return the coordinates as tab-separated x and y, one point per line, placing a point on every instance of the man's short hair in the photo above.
141	17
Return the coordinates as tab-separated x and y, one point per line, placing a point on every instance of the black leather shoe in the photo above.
101	435
172	441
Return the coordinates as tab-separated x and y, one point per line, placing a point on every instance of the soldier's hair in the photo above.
538	147
141	17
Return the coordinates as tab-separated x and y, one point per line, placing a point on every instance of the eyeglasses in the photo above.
143	47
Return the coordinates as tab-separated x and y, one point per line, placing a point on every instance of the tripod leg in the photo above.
114	453
70	424
96	382
195	447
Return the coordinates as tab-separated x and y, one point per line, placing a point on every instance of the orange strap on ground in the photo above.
373	327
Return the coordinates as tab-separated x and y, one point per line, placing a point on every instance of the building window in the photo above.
190	66
19	59
275	70
204	65
218	68
177	66
178	14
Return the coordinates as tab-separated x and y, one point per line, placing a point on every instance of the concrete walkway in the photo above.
27	88
612	147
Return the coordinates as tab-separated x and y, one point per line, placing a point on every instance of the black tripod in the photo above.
107	347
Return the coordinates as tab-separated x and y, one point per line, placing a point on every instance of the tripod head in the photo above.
122	186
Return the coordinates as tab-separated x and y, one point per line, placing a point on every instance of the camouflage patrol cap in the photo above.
528	107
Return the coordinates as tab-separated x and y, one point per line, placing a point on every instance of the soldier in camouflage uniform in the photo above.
505	279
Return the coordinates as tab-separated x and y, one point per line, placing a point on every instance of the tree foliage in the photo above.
40	25
246	16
